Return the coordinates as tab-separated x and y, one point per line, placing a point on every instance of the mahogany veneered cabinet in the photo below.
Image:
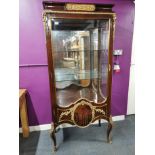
79	40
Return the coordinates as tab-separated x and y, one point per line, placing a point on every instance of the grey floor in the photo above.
87	141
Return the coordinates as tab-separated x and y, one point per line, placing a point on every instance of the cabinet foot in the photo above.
110	126
53	136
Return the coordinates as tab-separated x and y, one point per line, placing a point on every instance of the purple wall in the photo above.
33	52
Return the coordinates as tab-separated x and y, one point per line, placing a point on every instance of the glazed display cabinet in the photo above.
79	40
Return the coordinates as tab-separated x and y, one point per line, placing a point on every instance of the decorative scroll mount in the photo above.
80	7
82	113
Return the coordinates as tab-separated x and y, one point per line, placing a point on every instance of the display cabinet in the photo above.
79	40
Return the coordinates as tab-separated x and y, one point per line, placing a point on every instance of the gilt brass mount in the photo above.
80	7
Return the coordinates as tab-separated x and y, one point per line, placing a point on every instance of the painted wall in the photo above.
33	69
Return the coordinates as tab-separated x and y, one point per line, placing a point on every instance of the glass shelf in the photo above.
65	74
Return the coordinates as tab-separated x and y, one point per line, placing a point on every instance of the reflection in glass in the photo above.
80	55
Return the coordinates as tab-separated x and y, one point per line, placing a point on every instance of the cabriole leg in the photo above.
53	136
110	125
99	122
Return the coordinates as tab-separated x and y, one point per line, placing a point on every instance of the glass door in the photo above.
80	56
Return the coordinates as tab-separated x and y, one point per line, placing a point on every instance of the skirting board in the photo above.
48	126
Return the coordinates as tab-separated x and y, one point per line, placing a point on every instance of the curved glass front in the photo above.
80	56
